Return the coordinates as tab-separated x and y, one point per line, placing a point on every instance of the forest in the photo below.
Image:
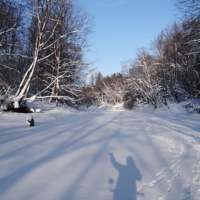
165	71
42	46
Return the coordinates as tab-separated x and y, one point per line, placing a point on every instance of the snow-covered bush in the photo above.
6	102
107	90
10	102
132	99
193	105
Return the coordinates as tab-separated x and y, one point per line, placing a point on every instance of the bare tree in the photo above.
191	25
167	50
66	63
10	43
53	38
190	8
142	84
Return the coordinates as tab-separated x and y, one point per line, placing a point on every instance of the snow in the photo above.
145	154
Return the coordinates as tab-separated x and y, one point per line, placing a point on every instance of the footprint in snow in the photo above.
152	184
160	178
195	169
196	180
185	192
142	187
197	197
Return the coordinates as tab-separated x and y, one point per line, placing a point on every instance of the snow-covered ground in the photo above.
99	154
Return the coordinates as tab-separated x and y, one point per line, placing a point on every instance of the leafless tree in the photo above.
57	40
190	8
142	84
10	41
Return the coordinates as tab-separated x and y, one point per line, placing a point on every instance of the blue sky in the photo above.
122	26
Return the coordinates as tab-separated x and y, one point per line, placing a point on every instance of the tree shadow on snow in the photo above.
125	188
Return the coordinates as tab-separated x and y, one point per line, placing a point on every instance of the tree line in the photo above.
168	70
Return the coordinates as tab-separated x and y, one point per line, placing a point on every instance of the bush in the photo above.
193	105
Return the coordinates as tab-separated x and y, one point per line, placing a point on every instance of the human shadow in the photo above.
126	184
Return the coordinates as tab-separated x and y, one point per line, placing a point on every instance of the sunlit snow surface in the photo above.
98	154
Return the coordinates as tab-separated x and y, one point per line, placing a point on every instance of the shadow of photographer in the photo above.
126	184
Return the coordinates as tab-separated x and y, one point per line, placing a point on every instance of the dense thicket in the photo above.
102	90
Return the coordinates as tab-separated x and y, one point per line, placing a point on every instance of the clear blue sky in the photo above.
122	26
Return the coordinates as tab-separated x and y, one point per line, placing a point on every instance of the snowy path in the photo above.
105	155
